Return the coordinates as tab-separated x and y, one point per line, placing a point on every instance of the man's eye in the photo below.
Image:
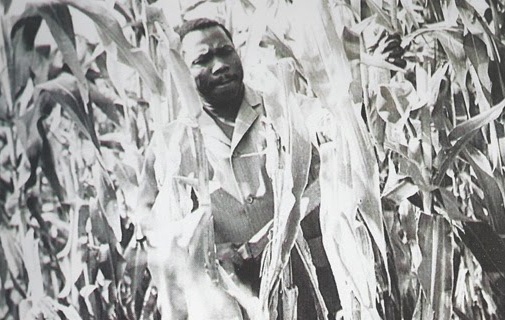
225	50
201	60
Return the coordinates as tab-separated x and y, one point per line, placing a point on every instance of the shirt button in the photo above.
249	199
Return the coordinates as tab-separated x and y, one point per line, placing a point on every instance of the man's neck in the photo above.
227	110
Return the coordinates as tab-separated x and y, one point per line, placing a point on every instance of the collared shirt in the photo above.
241	192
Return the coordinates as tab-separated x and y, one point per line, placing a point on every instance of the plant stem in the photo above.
496	17
393	4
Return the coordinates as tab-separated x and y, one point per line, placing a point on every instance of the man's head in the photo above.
209	53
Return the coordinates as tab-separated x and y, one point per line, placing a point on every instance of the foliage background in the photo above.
84	84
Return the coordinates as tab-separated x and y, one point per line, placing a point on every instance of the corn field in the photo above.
84	84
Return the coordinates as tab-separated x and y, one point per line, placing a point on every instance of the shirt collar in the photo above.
246	116
251	98
247	113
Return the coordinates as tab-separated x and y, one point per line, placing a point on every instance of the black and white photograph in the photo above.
252	159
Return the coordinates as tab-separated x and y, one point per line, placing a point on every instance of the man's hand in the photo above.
231	255
228	256
388	46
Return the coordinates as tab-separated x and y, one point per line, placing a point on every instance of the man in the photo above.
234	131
209	53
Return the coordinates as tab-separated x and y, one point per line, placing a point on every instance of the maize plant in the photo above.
411	181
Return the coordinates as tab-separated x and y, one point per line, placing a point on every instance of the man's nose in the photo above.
219	66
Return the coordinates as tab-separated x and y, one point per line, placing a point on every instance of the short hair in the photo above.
200	24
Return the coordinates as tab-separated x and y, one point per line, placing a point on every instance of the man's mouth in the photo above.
224	82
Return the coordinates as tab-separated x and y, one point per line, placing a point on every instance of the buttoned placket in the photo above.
240	156
245	120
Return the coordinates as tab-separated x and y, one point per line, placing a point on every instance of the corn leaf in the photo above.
107	201
22	40
105	103
394	101
12	251
177	265
423	309
136	266
382	16
475	50
59	20
461	134
486	245
329	74
33	136
489	183
114	40
436	269
339	229
328	71
450	209
63	90
281	141
170	42
31	261
303	250
466	128
6	5
398	187
452	42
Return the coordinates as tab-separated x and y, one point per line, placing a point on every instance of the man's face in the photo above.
214	64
